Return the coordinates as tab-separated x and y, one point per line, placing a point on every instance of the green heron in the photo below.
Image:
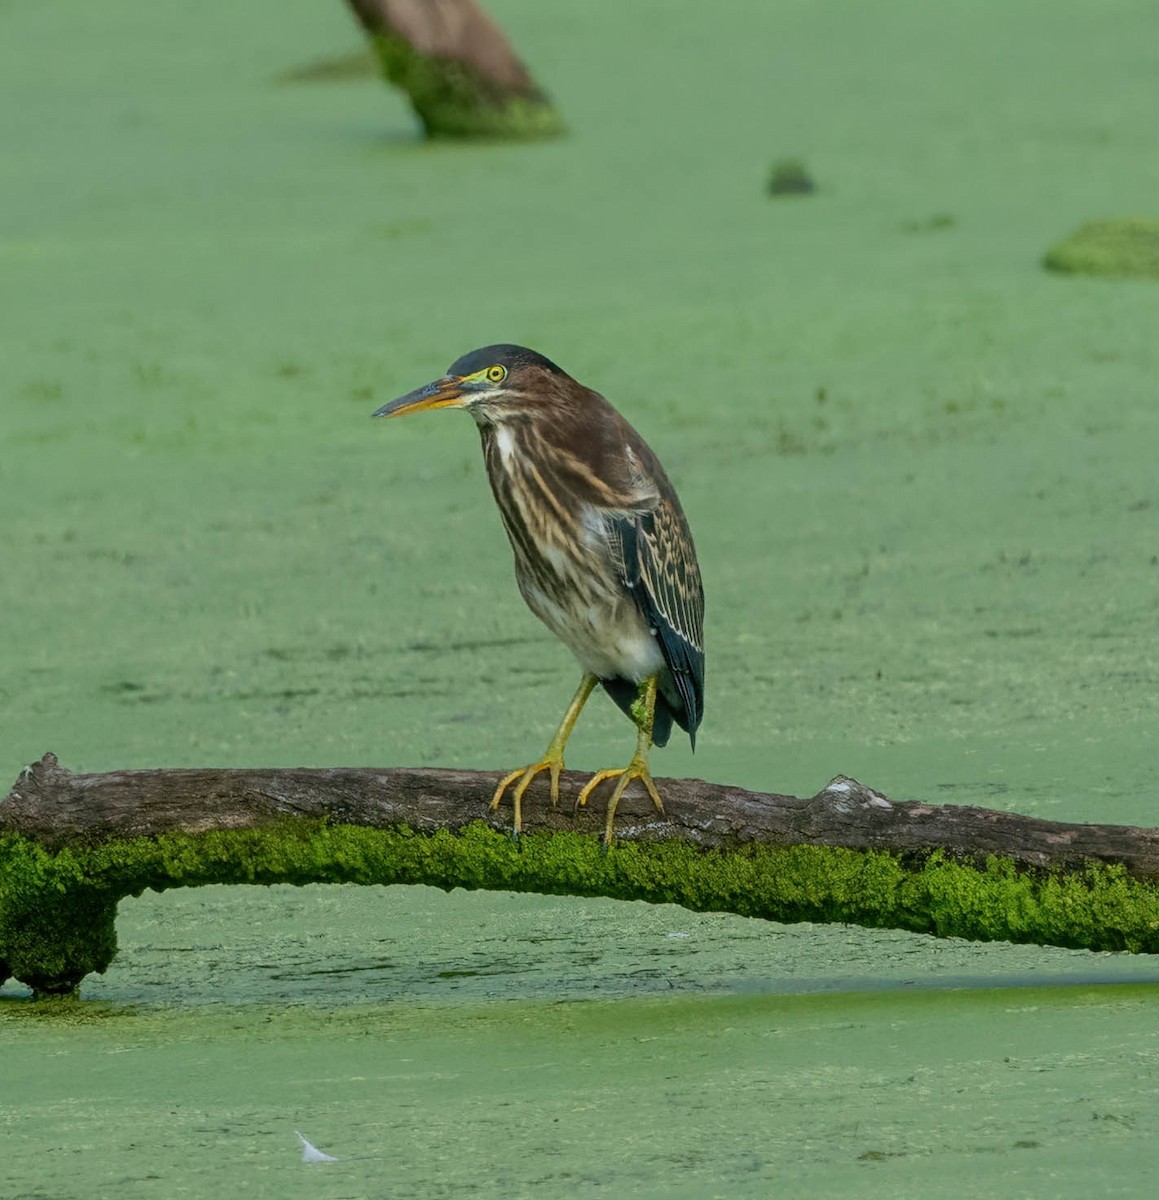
603	554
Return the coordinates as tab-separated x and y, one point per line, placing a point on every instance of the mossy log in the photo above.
71	846
460	73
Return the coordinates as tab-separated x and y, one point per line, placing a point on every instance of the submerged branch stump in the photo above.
71	846
460	73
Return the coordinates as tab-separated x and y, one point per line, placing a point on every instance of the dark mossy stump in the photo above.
459	71
71	846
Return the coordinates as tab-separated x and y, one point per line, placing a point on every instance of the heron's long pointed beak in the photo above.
447	392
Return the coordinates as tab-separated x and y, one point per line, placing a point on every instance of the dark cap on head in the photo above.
502	354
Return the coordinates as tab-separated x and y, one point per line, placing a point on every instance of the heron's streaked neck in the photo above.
498	409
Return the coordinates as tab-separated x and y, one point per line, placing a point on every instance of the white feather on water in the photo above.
311	1153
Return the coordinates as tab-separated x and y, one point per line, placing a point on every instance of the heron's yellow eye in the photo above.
496	374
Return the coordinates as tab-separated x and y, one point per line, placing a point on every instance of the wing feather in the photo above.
658	565
609	470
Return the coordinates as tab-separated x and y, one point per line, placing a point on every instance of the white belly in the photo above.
607	635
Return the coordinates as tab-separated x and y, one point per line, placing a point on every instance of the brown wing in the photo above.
603	462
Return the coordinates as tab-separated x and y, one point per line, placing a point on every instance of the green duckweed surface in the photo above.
921	474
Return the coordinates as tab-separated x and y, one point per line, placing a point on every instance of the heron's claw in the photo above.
636	769
550	762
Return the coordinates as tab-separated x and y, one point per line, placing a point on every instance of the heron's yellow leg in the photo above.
643	712
552	759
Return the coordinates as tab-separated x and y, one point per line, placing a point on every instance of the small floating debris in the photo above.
790	177
311	1153
360	65
932	224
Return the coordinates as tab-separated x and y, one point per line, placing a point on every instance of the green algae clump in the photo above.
1124	248
57	911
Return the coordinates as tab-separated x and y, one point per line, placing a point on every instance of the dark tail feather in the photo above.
623	692
662	722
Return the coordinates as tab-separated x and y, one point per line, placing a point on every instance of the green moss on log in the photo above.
1124	248
57	910
452	100
57	918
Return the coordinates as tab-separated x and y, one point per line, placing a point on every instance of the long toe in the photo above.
636	769
504	784
593	783
522	779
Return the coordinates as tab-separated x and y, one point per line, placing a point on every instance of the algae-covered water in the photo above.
920	470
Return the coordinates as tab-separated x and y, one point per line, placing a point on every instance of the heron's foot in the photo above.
636	769
549	762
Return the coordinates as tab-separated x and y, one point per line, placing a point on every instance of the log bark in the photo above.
72	845
460	73
52	806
